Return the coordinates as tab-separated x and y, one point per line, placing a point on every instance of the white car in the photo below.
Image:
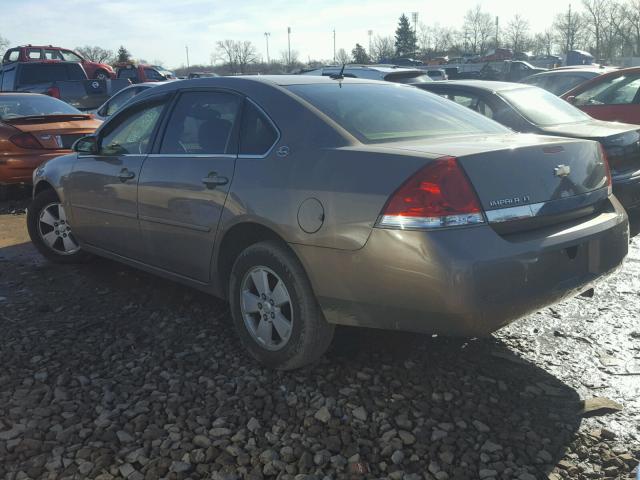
437	74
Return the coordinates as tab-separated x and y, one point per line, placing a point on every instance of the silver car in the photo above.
310	202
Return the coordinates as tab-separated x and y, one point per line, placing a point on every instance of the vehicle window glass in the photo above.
52	54
474	102
34	54
14	106
131	134
542	107
69	56
14	55
127	73
257	134
34	73
410	77
120	99
8	77
201	123
564	83
151	74
387	112
612	91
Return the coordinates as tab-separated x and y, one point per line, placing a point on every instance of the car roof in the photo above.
384	68
21	94
488	85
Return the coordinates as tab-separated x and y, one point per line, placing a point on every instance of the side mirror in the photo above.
87	145
571	99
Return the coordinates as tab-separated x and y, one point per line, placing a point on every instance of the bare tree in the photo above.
543	43
343	57
570	29
597	14
517	33
478	28
246	54
627	23
382	48
95	53
4	44
226	52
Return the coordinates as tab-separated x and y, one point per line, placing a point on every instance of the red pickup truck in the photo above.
143	73
35	53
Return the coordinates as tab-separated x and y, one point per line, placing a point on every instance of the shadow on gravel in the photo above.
119	361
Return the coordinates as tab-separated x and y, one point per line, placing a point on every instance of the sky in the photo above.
161	29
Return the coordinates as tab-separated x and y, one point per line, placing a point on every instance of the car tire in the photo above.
49	231
263	269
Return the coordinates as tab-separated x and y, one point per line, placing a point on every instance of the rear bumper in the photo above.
467	281
627	190
19	167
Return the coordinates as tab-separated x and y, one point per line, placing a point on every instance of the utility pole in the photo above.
266	37
289	43
569	30
186	47
370	33
497	31
334	45
414	16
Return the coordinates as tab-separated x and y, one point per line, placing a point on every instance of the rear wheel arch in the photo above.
237	239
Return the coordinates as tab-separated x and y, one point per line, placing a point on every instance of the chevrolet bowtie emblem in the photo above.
562	170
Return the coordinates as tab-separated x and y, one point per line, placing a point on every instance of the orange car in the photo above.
33	129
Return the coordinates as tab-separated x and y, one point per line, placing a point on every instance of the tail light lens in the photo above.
53	92
26	140
438	195
607	168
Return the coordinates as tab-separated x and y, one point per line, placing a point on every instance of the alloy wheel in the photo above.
55	231
266	307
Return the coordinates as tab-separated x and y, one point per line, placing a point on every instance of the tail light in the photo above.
25	140
438	195
53	92
607	168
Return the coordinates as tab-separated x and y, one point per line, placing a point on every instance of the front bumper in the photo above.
627	190
18	167
465	281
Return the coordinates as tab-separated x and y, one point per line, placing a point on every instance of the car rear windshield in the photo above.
543	108
376	113
408	77
33	105
34	73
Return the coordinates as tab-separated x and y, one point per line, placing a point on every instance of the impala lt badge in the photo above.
562	170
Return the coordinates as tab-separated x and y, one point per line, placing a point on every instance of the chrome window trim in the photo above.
268	152
193	155
519	212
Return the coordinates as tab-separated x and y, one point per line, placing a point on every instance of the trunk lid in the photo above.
520	177
621	141
58	131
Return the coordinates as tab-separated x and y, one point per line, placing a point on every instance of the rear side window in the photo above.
564	83
201	123
257	134
33	73
474	102
52	54
376	113
127	73
14	55
34	54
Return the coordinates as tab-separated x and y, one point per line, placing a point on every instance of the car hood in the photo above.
590	129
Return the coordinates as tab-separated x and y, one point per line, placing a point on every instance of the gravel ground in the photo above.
108	372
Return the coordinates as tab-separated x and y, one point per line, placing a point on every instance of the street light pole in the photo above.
414	16
334	45
266	37
289	43
370	32
186	47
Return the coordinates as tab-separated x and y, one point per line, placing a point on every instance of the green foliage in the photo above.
123	55
359	54
406	44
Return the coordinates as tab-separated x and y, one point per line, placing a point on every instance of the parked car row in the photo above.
317	200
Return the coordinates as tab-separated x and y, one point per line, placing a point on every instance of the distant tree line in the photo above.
609	29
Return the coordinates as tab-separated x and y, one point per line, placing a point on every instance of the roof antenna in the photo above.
340	74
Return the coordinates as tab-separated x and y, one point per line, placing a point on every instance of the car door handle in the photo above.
126	175
214	180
